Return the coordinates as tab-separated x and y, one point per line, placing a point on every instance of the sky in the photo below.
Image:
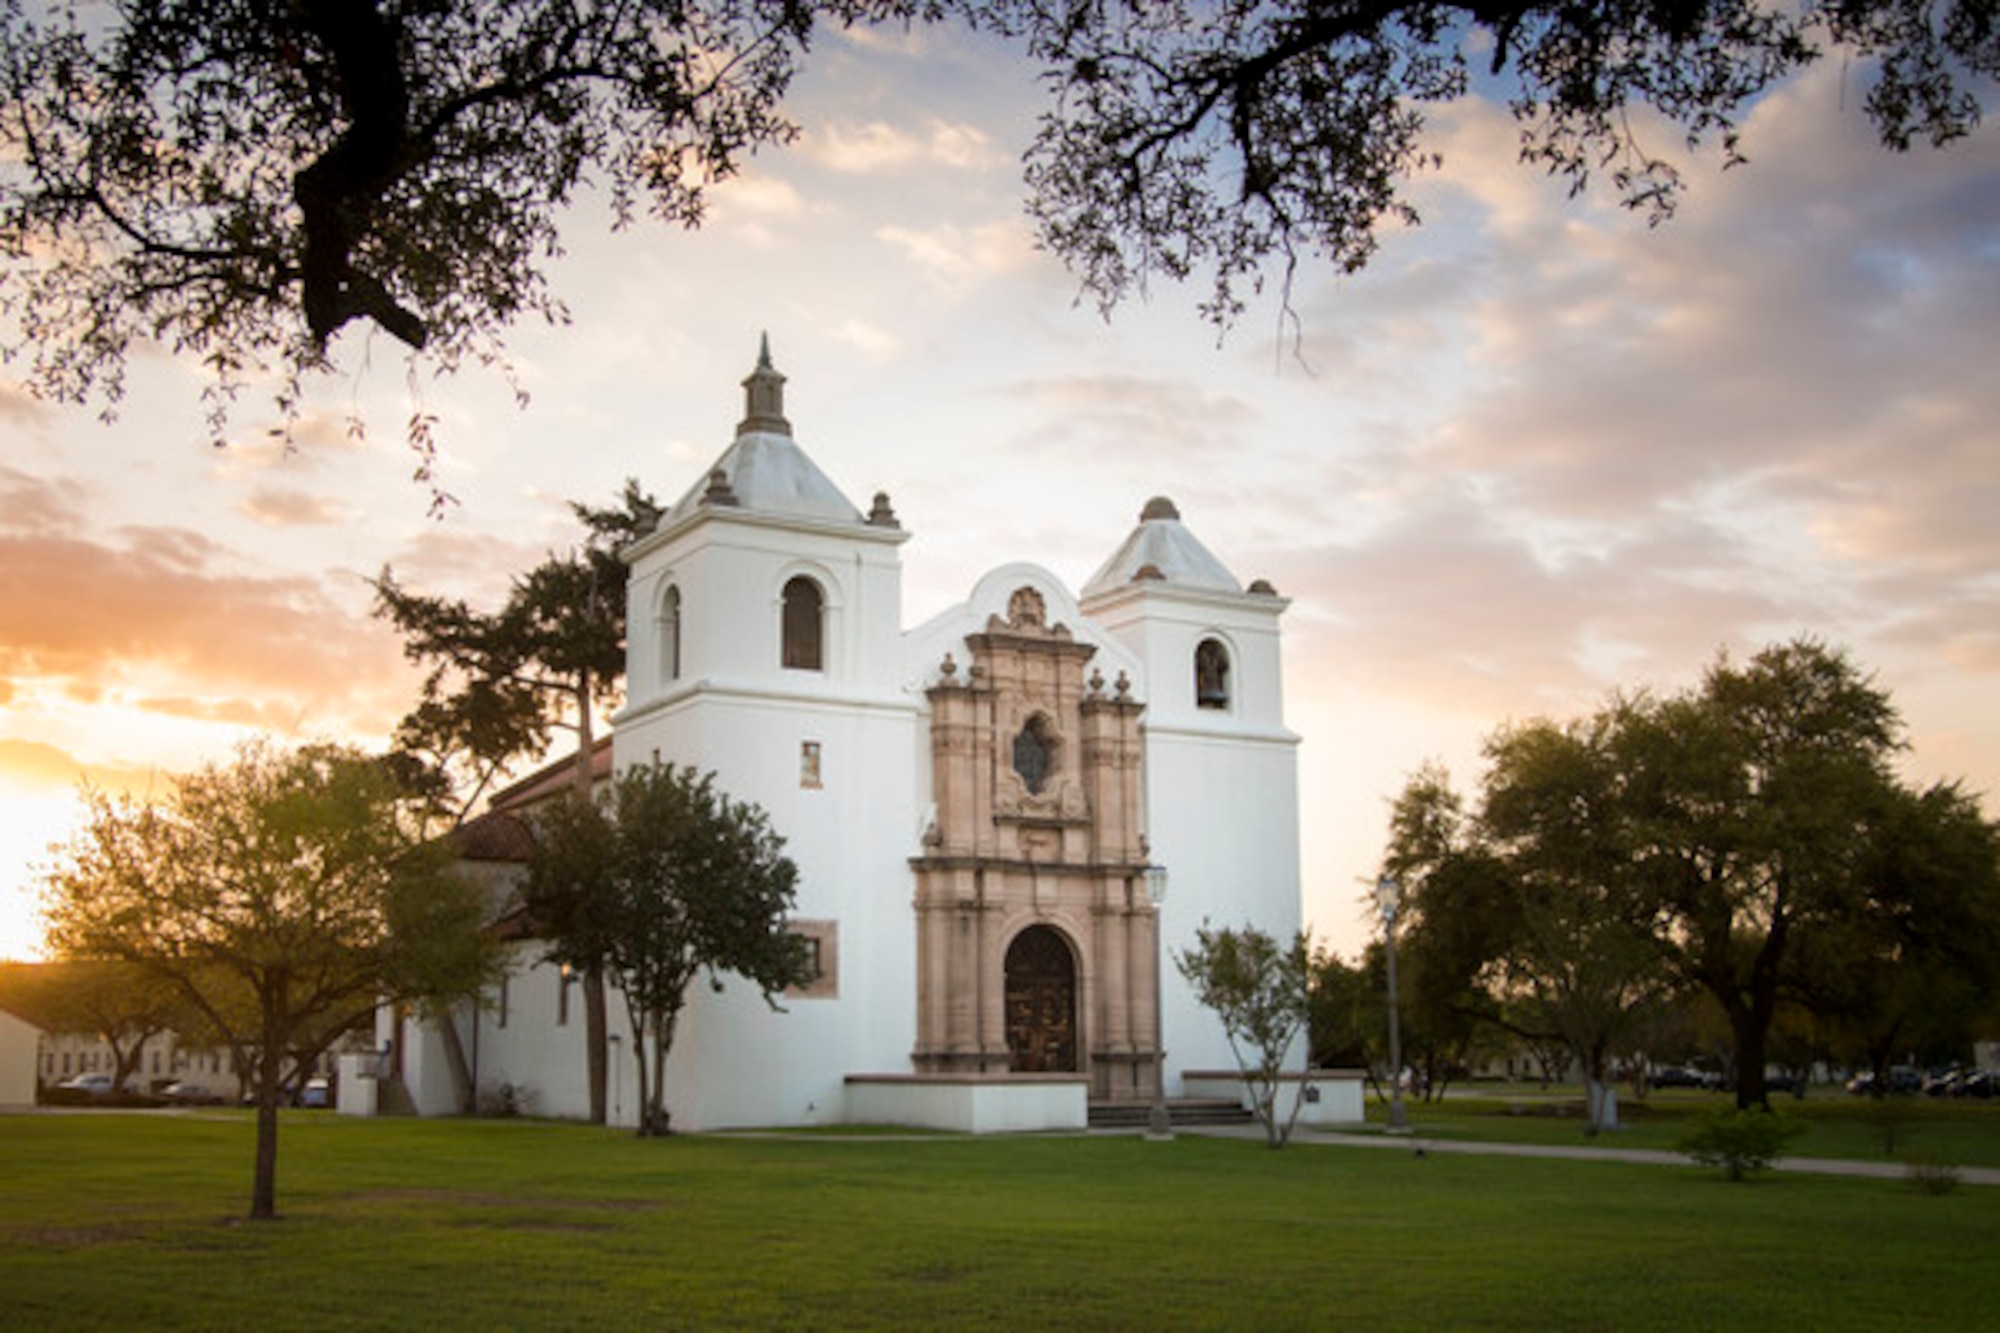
1536	452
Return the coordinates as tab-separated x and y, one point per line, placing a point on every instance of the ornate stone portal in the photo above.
1036	941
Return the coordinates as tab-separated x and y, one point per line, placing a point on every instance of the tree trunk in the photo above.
270	1071
595	1036
594	1041
1750	1033
654	1118
1601	1099
128	1063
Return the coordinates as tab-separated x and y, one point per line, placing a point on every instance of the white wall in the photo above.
20	1043
737	712
1222	807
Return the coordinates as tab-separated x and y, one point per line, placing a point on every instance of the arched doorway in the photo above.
1041	1003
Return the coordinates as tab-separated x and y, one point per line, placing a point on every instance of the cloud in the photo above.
459	561
19	406
751	207
1623	447
32	504
878	146
37	767
871	341
1135	415
956	259
760	196
273	508
159	612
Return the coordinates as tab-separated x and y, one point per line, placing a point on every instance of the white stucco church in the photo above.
982	808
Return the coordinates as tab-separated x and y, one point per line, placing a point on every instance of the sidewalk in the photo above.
1417	1143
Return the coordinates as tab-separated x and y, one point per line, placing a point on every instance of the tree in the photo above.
1527	913
283	895
1454	918
240	182
1911	972
1343	1014
1751	806
1187	138
660	880
1747	839
119	1004
501	683
1261	990
1580	962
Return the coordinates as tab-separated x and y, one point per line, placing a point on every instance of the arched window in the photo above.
1211	674
804	625
670	634
1035	754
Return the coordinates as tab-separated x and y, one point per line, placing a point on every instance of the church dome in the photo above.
1161	548
764	470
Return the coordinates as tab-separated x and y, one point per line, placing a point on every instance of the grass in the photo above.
1966	1133
128	1220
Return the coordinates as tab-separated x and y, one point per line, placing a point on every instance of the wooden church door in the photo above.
1041	1003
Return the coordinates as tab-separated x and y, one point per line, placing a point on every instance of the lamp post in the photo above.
1389	898
1158	1124
617	1080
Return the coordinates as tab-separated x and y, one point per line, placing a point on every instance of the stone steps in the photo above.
1183	1111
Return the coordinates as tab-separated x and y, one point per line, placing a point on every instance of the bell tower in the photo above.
764	645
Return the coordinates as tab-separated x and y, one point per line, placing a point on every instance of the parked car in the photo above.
186	1093
92	1085
1687	1076
1679	1076
1902	1078
1982	1083
317	1093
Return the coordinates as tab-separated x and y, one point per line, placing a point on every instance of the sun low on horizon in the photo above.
31	821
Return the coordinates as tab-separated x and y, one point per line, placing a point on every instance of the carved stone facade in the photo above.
1036	939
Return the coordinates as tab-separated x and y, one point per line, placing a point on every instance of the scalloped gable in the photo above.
993	599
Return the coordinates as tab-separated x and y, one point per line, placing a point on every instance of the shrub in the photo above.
504	1100
1740	1142
1932	1175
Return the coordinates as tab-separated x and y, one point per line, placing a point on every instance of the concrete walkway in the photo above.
1417	1143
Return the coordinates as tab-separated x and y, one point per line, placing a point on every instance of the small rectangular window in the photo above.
500	1013
809	764
822	939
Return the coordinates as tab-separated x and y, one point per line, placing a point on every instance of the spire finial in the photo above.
764	396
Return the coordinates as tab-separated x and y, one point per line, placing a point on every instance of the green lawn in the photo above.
129	1221
1966	1133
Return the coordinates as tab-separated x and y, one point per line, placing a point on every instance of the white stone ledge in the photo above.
970	1103
1332	1096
